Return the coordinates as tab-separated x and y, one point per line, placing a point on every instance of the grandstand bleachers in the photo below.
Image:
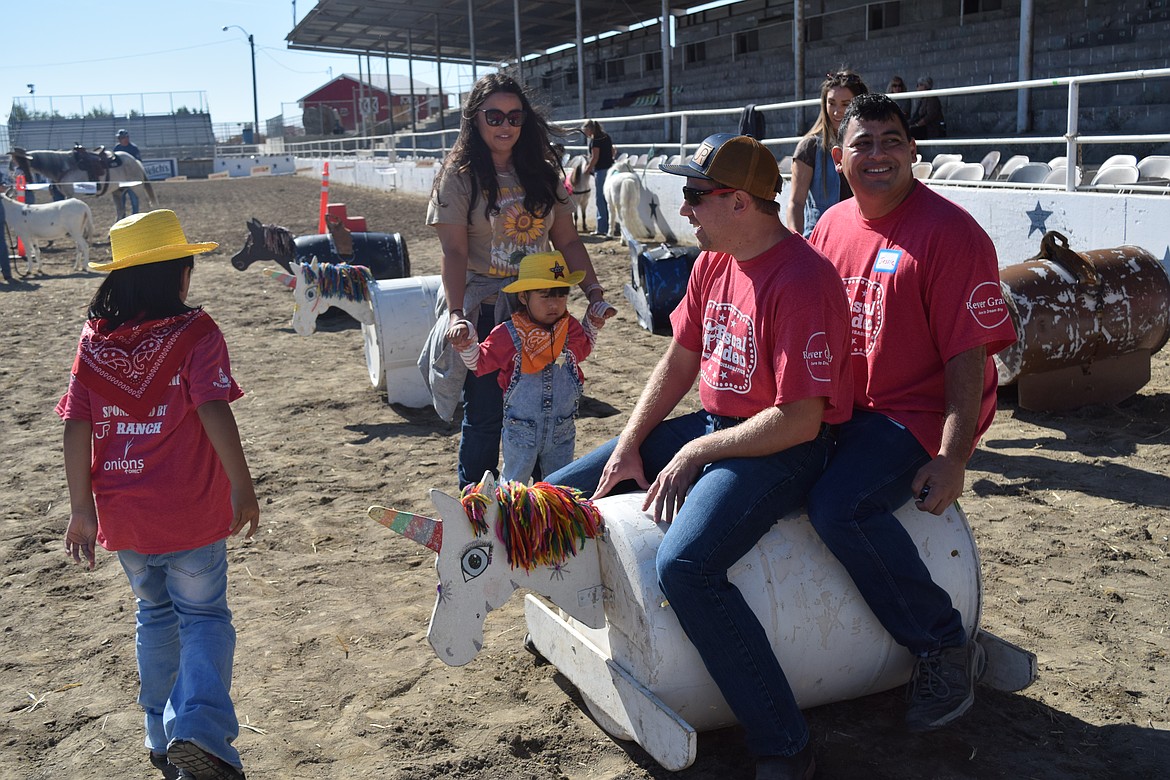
182	136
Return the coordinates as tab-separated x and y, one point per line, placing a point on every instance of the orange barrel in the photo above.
1071	308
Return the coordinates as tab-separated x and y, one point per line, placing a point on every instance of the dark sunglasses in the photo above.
694	197
495	117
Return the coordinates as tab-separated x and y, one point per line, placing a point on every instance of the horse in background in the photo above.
63	169
579	185
633	207
31	223
321	286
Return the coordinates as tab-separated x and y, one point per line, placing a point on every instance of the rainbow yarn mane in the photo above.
540	525
340	280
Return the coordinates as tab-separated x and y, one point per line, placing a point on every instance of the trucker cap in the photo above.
735	161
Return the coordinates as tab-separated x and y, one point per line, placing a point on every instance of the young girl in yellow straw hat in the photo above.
537	353
157	474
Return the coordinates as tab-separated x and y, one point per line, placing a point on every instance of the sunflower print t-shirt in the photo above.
497	242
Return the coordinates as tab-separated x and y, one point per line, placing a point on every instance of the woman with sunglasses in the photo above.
816	184
498	197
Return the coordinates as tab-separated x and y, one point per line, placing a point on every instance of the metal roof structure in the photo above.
440	29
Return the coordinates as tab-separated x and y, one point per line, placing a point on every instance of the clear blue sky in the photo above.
71	47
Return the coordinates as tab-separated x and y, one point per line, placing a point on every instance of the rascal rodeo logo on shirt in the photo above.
729	348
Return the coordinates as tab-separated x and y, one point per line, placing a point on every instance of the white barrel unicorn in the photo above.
613	634
321	286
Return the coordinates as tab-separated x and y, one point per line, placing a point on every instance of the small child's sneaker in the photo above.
199	764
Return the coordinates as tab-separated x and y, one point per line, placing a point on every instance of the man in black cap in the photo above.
124	145
763	326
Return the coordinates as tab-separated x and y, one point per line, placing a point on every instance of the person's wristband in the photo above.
458	312
595	286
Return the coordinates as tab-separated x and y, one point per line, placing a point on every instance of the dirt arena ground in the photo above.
334	677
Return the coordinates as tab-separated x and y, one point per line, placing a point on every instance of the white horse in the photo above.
47	222
614	636
321	286
580	186
633	206
79	165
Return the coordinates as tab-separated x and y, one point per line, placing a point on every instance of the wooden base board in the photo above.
621	705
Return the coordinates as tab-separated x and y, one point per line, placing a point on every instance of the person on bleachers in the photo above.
895	86
926	118
816	184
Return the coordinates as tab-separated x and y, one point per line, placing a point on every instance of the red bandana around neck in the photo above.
133	364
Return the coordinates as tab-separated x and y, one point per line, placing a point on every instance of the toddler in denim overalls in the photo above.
537	353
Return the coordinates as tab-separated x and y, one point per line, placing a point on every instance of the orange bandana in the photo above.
539	346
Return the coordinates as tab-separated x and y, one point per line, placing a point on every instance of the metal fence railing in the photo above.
678	125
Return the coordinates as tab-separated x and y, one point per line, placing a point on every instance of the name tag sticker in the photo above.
887	260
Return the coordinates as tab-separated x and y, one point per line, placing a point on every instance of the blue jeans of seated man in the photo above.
599	198
185	643
852	509
540	413
483	416
731	506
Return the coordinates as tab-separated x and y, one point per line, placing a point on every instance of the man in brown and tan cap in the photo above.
763	326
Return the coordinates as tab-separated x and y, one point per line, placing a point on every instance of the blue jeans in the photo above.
731	506
133	201
483	415
185	644
599	197
852	509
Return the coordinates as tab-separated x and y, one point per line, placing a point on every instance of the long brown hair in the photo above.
823	127
535	157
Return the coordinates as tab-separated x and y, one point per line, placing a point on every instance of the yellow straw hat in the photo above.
543	270
150	237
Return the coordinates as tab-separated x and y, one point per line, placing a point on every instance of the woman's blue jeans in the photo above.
599	198
185	644
731	506
483	415
852	509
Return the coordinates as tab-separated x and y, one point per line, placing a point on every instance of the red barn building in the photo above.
349	100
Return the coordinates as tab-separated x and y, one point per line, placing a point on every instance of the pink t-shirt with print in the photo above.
923	287
158	483
772	330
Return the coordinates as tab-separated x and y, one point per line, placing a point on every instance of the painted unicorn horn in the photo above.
425	530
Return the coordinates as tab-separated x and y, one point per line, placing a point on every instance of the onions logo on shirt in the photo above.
818	358
867	312
125	463
729	348
987	306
